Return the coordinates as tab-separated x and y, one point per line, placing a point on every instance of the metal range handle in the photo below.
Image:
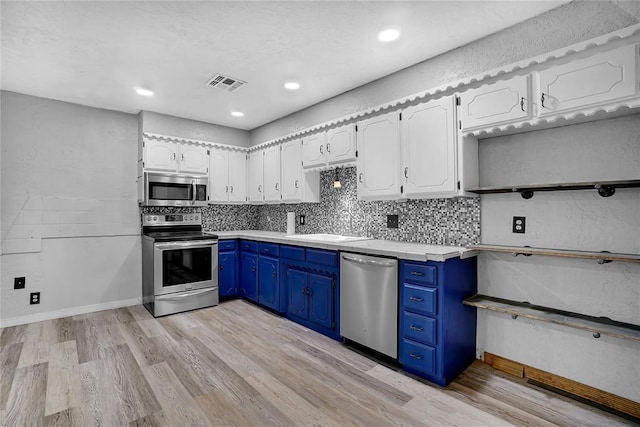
369	261
181	295
171	245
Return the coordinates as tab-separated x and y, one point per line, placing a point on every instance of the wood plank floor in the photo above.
238	365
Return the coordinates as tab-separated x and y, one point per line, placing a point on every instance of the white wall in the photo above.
582	220
70	220
191	129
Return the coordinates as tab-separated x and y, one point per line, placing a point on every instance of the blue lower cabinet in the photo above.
227	273
437	332
310	277
249	275
268	282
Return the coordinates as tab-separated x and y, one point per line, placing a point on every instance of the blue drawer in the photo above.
227	245
248	245
318	256
420	299
418	356
420	273
419	328
268	249
292	252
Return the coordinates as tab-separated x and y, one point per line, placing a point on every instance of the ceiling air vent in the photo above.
227	83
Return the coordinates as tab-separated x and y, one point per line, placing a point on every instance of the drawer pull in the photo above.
416	328
415	356
266	249
417	273
416	299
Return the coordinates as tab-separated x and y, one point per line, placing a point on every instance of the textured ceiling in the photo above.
94	53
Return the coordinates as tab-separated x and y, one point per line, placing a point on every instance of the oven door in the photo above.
175	190
184	266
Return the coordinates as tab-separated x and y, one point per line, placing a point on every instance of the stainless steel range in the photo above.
179	264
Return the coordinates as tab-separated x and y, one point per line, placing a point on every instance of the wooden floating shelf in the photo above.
600	257
595	325
604	188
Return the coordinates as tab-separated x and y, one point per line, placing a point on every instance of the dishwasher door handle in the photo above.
369	262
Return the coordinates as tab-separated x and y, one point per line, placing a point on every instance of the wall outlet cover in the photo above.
19	282
34	298
302	220
392	221
519	224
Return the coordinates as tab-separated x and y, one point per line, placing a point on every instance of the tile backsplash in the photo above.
435	221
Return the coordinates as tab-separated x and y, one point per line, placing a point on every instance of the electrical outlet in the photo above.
392	221
302	220
35	298
19	282
519	224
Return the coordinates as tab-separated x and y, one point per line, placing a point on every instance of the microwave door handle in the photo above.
173	245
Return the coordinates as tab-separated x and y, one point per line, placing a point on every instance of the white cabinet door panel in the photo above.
255	176
378	142
292	174
237	177
313	150
341	144
272	174
499	103
596	80
193	159
160	156
429	149
219	175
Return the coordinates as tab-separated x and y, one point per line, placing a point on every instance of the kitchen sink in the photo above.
320	237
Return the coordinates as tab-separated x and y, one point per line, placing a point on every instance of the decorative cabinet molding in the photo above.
498	103
379	157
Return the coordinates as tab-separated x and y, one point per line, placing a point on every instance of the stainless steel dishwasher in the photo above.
369	302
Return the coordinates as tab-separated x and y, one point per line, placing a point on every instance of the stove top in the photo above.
177	235
174	227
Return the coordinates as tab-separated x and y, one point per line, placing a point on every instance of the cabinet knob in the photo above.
259	188
542	100
226	190
232	188
253	269
221	267
296	183
321	150
360	177
182	157
277	185
406	172
275	276
173	157
328	148
522	103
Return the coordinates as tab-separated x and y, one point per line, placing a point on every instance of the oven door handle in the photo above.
173	245
181	295
193	190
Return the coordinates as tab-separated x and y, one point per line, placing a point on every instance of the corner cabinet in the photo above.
227	176
437	331
429	149
378	163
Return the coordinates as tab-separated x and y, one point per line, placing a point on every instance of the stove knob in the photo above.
148	218
155	218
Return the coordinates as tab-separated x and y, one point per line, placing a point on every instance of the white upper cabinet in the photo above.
272	190
255	190
597	80
175	157
237	177
378	140
314	150
227	176
341	145
496	104
292	175
429	149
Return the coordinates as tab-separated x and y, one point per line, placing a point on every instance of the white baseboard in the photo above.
39	317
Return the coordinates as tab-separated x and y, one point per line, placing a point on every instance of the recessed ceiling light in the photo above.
143	92
292	85
389	34
237	113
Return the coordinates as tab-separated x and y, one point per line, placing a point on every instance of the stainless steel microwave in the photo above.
166	189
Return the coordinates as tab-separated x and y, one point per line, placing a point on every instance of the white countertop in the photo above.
401	250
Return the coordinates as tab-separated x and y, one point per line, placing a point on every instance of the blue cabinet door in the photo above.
268	281
227	273
249	275
297	293
321	300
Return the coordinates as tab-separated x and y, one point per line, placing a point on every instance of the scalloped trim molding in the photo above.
159	137
501	73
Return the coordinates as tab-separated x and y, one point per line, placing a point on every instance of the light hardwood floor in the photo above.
236	364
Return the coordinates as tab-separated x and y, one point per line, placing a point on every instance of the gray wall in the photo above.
70	221
177	126
557	28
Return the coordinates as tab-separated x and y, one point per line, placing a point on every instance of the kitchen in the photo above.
70	170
